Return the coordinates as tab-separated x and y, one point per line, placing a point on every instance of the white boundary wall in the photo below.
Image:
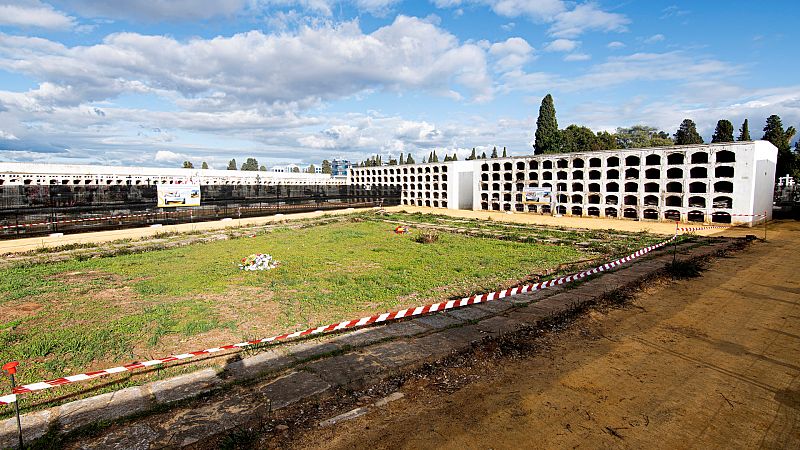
66	174
700	183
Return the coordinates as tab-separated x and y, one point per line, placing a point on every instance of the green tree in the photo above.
576	138
326	166
546	128
410	159
204	166
424	161
295	170
505	155
723	132
472	157
606	140
232	164
494	152
312	169
639	136
483	155
687	134
250	164
446	157
455	157
773	132
188	165
744	132
402	161
434	157
262	168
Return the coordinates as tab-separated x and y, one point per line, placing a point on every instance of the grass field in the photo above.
78	315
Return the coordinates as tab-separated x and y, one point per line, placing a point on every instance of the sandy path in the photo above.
713	362
595	223
27	244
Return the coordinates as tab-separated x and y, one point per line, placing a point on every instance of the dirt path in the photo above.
594	223
712	362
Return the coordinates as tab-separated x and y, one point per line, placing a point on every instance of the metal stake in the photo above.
11	368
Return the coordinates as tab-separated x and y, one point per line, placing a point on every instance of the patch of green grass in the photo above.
94	312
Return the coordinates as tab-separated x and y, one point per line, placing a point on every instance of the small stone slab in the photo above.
437	321
253	366
311	350
104	407
293	388
403	329
470	313
466	335
34	426
499	325
361	337
495	306
397	354
184	386
350	369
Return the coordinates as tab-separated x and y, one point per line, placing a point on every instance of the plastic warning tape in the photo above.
8	399
703	228
347	324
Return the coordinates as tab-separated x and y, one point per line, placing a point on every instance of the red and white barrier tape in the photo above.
89	219
348	324
703	228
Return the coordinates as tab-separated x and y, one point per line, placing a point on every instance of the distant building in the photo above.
339	167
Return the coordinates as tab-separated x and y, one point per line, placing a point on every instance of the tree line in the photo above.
251	164
550	139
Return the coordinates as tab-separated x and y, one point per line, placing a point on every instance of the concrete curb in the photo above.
350	360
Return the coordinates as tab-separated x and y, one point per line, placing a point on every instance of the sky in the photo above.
157	82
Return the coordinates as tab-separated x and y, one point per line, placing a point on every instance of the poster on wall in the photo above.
538	196
174	195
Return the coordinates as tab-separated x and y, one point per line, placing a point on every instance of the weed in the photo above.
426	237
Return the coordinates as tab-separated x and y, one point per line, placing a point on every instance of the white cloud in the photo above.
562	45
566	21
8	136
253	69
615	45
511	54
169	156
34	14
586	17
577	57
654	38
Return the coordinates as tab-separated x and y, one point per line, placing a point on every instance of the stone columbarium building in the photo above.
717	183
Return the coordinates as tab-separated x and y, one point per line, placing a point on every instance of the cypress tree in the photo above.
483	155
424	161
232	164
505	155
455	157
435	158
744	132
401	159
773	132
472	156
204	166
687	134
410	159
546	128
494	152
723	132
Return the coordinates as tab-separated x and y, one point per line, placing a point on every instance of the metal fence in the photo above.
37	210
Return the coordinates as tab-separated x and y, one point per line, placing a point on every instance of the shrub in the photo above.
426	237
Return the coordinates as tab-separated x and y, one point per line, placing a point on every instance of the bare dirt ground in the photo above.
711	362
